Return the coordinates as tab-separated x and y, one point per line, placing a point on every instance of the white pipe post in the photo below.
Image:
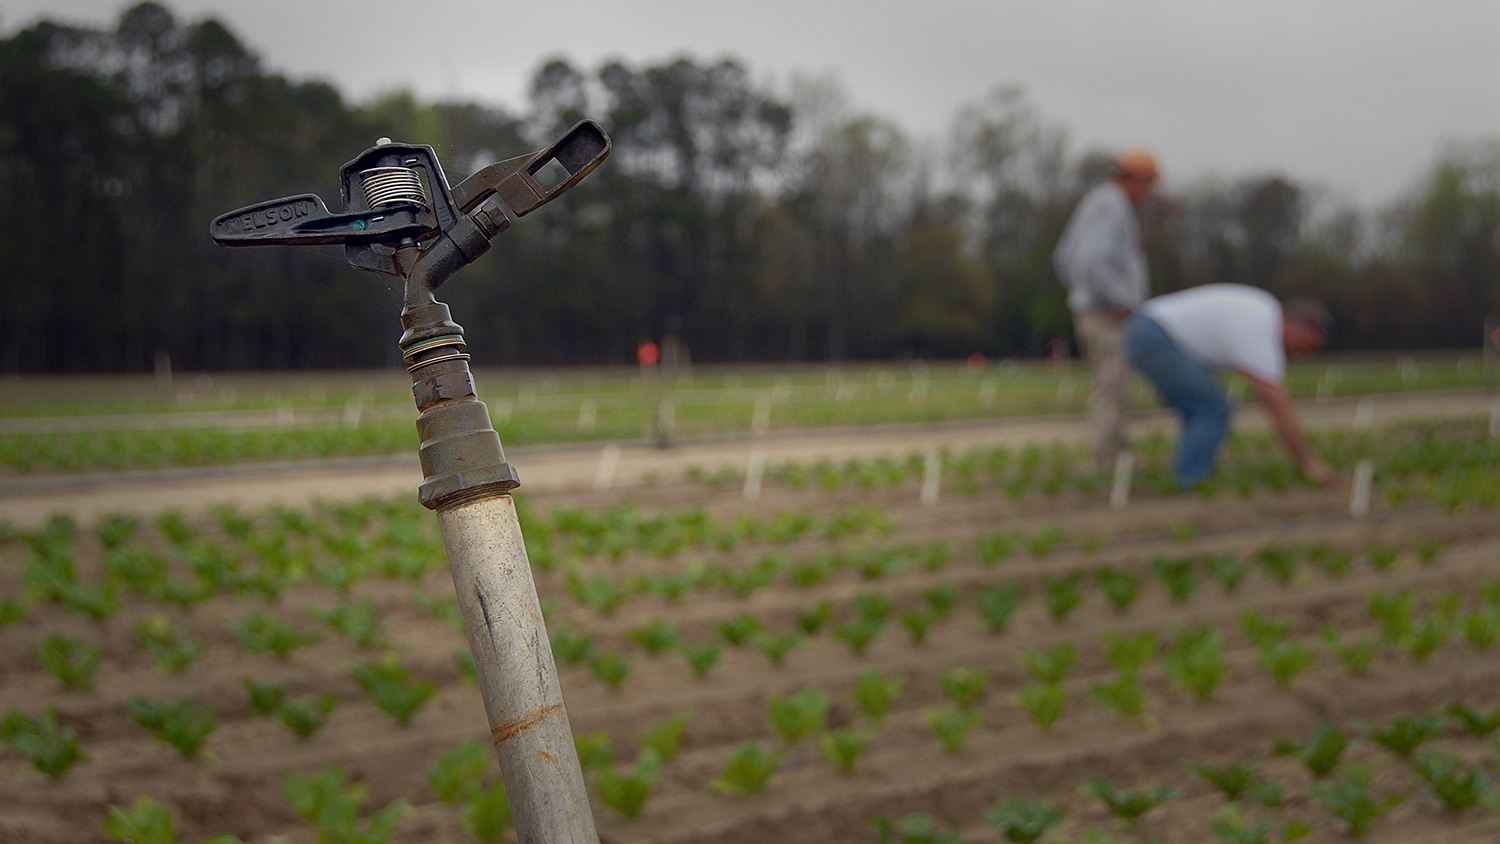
755	472
609	458
1359	499
1119	495
932	477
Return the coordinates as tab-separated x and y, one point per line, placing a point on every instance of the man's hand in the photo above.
1321	472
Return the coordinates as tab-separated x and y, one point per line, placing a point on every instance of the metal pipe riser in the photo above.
529	725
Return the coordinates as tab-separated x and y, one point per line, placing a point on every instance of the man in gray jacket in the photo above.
1102	264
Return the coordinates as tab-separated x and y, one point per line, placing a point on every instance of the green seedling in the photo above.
52	748
1351	800
879	564
1120	587
916	828
797	716
1381	556
1178	576
701	657
1321	753
1331	561
934	556
665	736
998	602
1355	655
997	545
1124	696
611	668
149	822
571	646
747	771
486	814
963	686
809	573
918	623
1233	781
1051	665
941	600
1045	541
952	725
596	750
1061	594
843	747
1428	549
859	633
601	592
114	529
393	688
1425	638
873	606
1481	628
1023	821
1128	804
304	716
776	646
628	792
182	723
1130	654
1229	570
72	661
738	630
1286	661
1262	630
815	617
1043	703
165	643
1183	531
1457	785
1231	826
1279	561
443	609
457	772
12	611
265	697
1475	722
876	695
1405	736
356	622
331	803
656	637
1195	661
268	636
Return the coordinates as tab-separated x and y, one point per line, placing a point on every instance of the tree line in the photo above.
756	225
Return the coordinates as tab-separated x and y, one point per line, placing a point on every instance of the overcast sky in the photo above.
1353	95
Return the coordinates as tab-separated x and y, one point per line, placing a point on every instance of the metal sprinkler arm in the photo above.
399	217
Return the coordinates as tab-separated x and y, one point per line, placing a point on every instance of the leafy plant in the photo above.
1232	827
701	657
595	750
1043	703
52	748
776	646
738	630
1405	736
963	686
656	637
1425	637
918	623
1045	540
1178	576
265	696
1229	570
875	694
331	803
748	770
1195	661
665	736
1459	786
1351	800
1264	630
571	646
1476	722
71	661
1123	695
182	723
457	771
1481	628
995	546
628	792
486	814
859	633
1061	594
1286	660
1130	654
601	592
1120	587
1381	556
1023	821
393	688
304	716
814	617
843	747
1279	561
1051	665
1125	803
356	622
268	636
997	602
1321	753
611	668
797	716
952	725
149	822
165	643
1355	655
915	828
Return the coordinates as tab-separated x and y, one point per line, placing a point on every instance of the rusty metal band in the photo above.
439	359
432	343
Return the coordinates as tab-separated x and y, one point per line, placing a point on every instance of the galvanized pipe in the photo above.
517	674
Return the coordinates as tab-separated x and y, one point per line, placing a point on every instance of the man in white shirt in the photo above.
1178	342
1099	259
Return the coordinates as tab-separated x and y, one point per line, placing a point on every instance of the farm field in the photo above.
791	666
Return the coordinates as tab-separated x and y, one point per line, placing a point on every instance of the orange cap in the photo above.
1137	162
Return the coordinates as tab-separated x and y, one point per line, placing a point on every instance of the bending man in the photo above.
1180	340
1100	261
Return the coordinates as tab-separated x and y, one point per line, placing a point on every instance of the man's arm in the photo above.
1278	405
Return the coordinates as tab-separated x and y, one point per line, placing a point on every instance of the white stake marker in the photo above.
1364	414
987	393
609	460
755	472
587	415
932	477
1119	496
1359	500
760	421
352	411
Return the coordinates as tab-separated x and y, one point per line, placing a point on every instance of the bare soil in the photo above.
236	785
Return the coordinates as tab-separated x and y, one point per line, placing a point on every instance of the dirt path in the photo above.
28	500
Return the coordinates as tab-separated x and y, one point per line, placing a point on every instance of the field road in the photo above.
27	500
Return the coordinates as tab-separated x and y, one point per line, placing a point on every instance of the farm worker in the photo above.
1101	262
1179	340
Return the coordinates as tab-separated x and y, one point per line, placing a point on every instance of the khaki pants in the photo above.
1099	335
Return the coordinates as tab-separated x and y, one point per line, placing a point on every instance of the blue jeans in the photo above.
1185	384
